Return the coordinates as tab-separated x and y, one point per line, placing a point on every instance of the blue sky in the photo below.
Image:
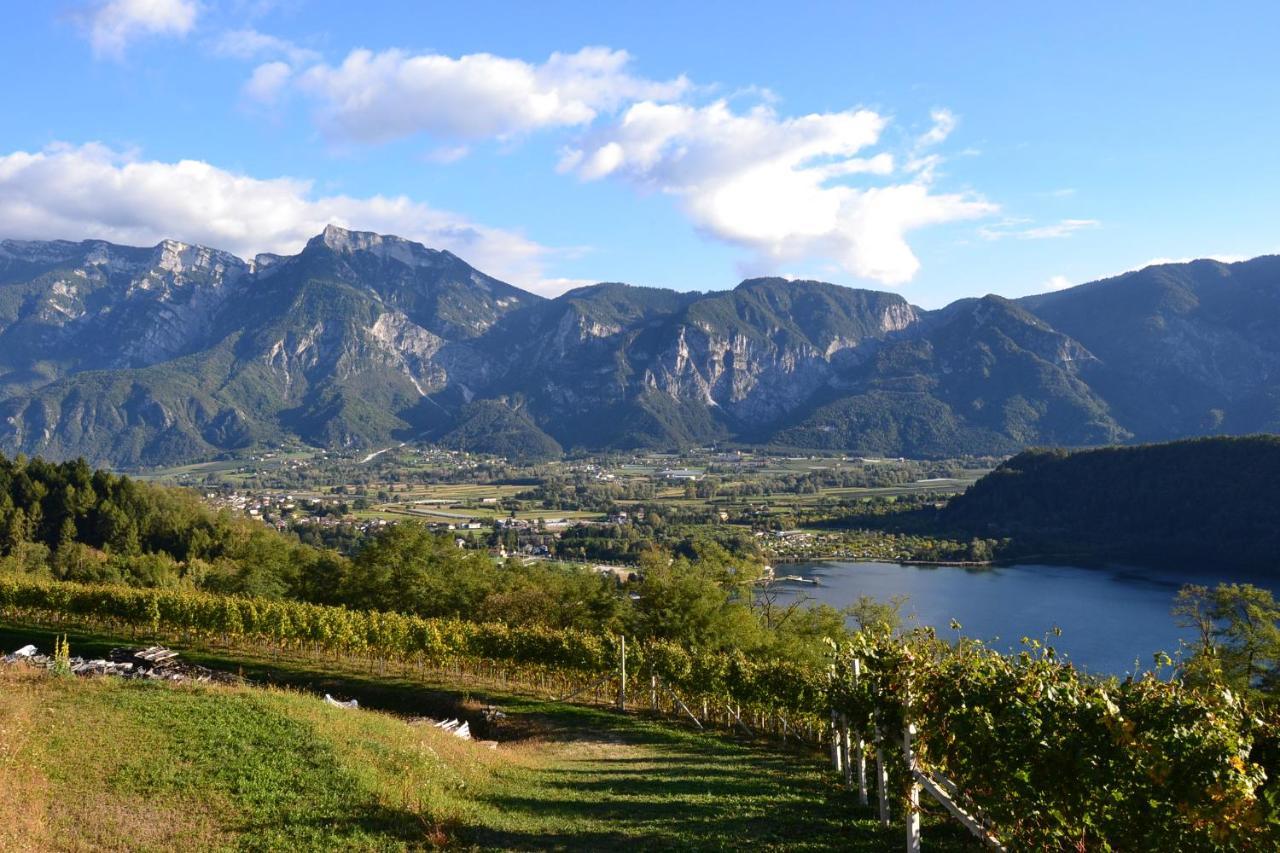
939	150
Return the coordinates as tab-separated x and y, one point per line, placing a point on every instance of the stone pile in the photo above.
153	662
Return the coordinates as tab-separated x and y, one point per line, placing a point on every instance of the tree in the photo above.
1193	609
1237	635
16	531
410	569
867	612
1249	631
684	601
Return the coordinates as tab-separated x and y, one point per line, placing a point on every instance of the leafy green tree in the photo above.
16	531
1238	635
687	601
881	616
28	558
411	569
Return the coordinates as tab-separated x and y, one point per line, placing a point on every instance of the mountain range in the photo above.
153	356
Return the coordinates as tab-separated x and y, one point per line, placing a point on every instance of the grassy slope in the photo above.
108	764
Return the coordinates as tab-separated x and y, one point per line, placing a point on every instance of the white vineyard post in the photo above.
862	745
653	692
913	789
882	779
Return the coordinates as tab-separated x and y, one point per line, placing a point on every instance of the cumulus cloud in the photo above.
375	97
1054	283
781	187
1021	229
91	191
786	188
112	25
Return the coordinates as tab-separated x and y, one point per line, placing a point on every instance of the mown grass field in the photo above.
119	765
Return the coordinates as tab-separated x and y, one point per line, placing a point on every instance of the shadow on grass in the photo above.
658	785
408	695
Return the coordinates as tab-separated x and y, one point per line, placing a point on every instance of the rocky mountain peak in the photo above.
385	246
177	259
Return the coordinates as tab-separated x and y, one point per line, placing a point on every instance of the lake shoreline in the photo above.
1064	559
1110	615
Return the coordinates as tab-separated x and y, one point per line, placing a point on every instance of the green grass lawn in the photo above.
108	764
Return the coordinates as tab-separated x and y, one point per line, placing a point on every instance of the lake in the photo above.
1109	616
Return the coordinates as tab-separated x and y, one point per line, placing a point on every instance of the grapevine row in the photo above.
1056	759
433	642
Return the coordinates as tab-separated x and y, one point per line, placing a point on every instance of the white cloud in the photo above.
267	80
90	191
1021	229
249	44
779	186
557	286
112	25
1220	258
447	154
375	97
788	188
1055	282
944	121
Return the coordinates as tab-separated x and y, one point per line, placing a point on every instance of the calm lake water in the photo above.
1108	616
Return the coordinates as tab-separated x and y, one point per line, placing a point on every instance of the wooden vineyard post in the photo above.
862	744
913	789
622	674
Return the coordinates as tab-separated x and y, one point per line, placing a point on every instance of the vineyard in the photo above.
1026	750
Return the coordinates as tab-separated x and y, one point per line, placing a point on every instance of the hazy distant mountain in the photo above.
134	356
1183	349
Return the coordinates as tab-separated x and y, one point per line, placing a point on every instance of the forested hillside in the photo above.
69	522
1211	499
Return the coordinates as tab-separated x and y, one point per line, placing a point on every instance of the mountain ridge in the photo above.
137	356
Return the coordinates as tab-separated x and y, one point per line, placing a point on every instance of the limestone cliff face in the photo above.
745	357
758	373
751	379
